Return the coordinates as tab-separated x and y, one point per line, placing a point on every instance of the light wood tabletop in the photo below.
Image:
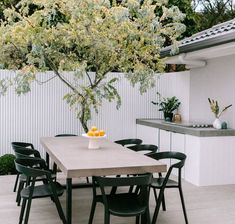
73	157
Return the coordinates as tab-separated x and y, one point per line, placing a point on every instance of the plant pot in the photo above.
168	116
217	124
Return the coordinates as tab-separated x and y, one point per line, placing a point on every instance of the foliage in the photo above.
4	4
212	12
7	165
90	38
167	105
215	107
190	20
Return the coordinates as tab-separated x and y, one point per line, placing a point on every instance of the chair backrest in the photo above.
144	147
180	157
22	144
23	152
32	167
65	135
131	141
142	181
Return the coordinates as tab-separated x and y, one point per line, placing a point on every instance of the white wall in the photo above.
42	112
177	84
217	81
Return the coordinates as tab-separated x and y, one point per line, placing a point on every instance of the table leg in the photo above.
69	200
47	160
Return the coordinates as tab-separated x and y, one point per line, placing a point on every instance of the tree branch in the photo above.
53	67
43	82
89	78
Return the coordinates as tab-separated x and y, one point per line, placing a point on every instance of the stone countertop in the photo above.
185	128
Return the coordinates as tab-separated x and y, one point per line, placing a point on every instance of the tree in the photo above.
190	21
4	4
90	38
212	12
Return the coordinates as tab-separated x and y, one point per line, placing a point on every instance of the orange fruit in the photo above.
90	133
102	132
93	128
96	133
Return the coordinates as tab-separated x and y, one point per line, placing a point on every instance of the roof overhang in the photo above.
198	58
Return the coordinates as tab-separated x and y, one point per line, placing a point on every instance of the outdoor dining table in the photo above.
72	156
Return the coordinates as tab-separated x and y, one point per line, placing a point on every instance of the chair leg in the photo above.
22	211
29	201
163	199
18	197
155	194
92	212
157	208
163	203
148	216
137	220
87	180
106	218
183	205
28	210
145	218
16	182
59	208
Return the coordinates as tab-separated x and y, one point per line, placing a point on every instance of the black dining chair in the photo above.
21	152
161	183
129	141
20	144
146	148
33	168
135	145
122	204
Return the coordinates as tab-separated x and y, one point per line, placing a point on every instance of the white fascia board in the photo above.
197	58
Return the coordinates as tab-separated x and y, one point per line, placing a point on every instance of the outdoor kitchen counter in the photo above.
185	128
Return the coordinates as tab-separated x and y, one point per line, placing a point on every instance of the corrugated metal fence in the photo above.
42	112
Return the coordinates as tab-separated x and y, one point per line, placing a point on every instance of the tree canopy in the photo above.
90	38
212	12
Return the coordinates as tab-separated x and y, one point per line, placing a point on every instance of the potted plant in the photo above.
216	110
168	106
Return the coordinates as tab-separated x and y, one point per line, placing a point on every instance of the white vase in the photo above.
217	123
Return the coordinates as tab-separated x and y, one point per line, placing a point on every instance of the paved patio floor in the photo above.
205	205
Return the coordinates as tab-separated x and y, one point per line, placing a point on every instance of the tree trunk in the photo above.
82	119
84	125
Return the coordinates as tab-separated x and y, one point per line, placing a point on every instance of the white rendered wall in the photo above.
177	84
217	81
42	112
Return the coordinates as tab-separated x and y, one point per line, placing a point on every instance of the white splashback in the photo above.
217	81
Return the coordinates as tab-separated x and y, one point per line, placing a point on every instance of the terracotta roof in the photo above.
217	35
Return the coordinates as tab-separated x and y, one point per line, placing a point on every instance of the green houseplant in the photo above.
168	106
7	165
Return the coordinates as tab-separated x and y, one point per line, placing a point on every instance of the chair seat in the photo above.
157	182
41	191
124	205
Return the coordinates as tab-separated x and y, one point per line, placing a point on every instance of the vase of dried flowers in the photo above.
216	110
